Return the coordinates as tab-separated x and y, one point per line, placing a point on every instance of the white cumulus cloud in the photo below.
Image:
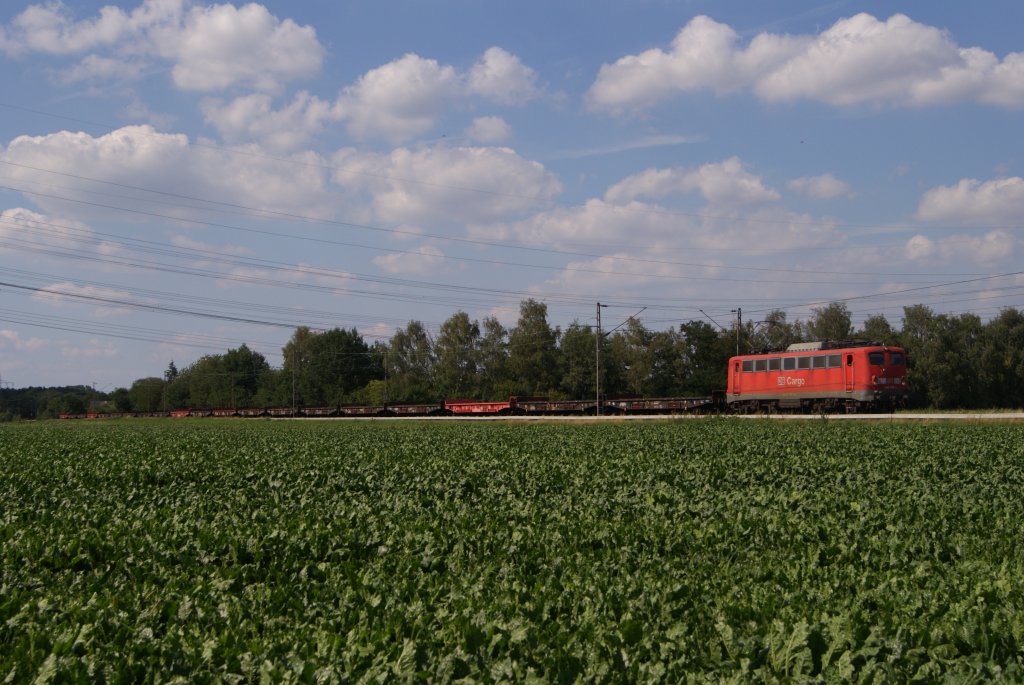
222	46
12	340
489	130
97	68
501	76
446	185
823	187
139	156
398	100
1000	201
210	47
404	98
726	182
26	226
860	59
422	261
993	246
252	117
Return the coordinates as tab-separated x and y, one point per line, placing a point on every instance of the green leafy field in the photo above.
339	552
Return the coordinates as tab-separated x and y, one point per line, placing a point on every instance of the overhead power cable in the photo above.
415	234
112	330
493	262
265	281
316	319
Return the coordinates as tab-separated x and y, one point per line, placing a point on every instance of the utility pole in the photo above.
385	397
597	349
739	324
597	357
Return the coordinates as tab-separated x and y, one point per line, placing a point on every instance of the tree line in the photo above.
955	361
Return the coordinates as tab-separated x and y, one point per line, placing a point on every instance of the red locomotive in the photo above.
819	377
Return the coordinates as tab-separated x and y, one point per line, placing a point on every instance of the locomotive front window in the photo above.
803	362
760	365
835	361
774	364
788	363
896	359
748	365
876	358
819	361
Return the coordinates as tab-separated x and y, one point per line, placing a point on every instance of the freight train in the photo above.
817	377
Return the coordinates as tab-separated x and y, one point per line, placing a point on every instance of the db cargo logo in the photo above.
789	381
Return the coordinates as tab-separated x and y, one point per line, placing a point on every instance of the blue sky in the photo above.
177	178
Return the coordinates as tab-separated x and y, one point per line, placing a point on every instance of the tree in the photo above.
533	351
775	332
492	361
171	373
122	400
275	389
943	368
704	353
410	365
1001	360
630	352
877	328
831	322
208	385
457	353
244	369
297	365
916	338
146	394
666	364
176	392
325	368
957	383
577	364
340	363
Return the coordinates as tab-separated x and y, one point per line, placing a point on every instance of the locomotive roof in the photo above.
817	345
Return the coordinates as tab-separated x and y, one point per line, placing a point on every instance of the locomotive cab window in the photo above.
876	358
896	359
789	363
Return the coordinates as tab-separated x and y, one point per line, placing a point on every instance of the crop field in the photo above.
712	550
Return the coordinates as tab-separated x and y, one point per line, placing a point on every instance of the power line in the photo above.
113	330
492	262
367	227
305	271
265	281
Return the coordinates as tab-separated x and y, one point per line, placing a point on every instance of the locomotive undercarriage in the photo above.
827	405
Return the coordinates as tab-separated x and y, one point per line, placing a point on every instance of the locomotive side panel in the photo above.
826	379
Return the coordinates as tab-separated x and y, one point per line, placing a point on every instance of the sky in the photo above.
180	177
